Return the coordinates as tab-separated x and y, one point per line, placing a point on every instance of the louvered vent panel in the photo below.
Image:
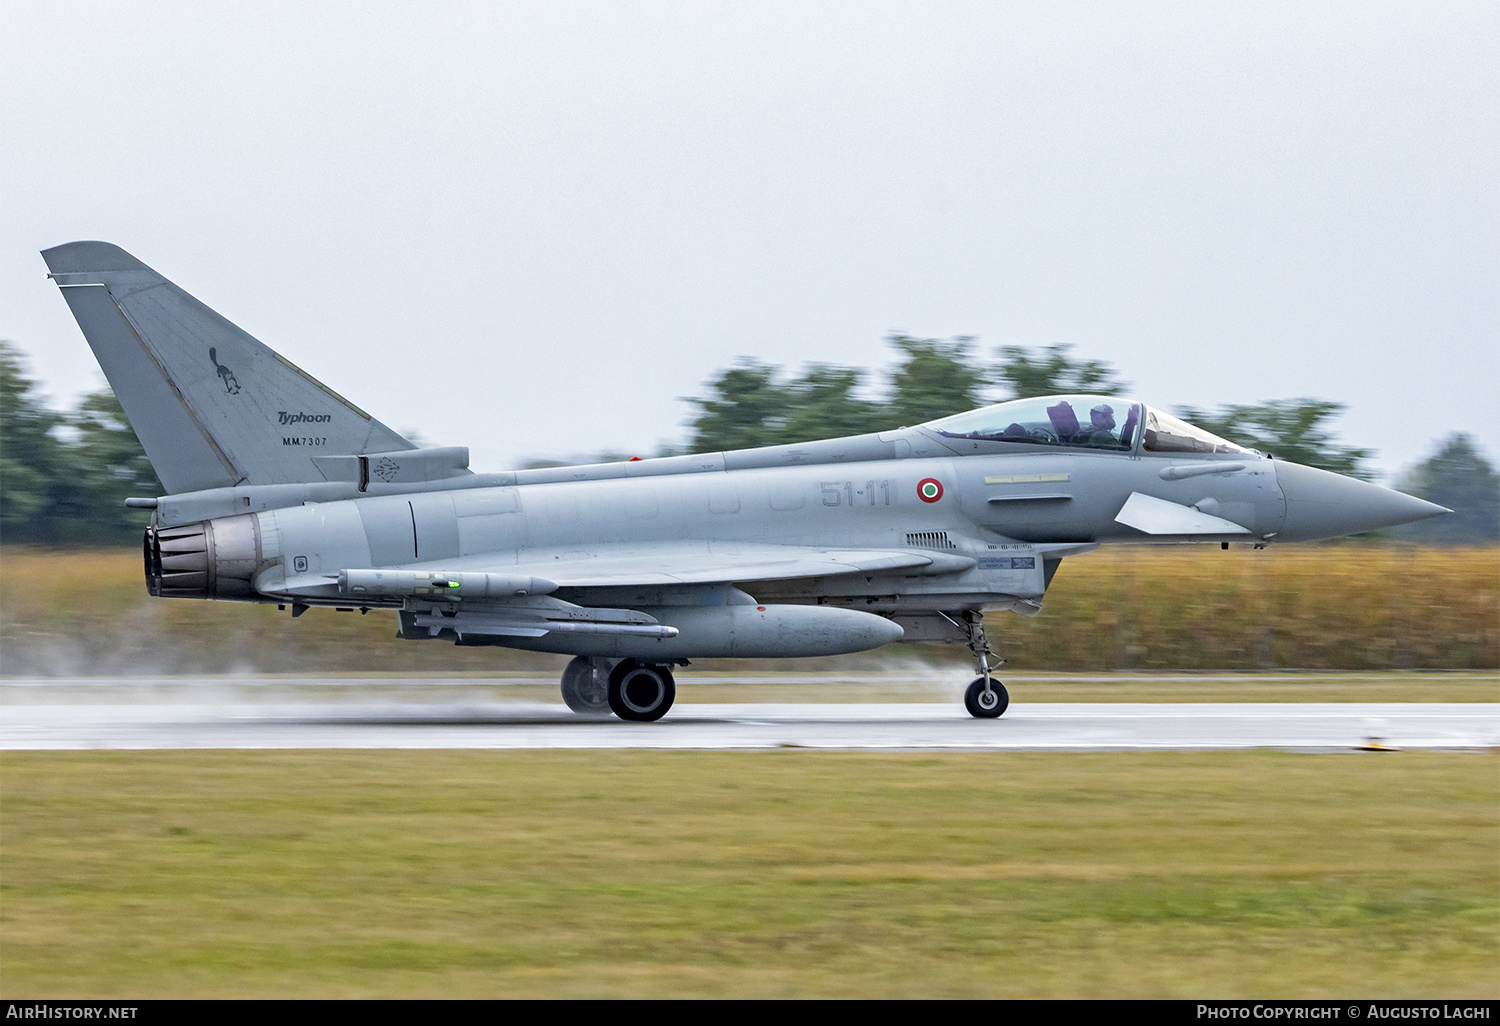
930	540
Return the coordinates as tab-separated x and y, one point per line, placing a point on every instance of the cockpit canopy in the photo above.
1083	422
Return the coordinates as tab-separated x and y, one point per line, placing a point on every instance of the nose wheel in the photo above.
986	698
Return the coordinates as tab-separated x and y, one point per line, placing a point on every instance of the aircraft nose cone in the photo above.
1320	504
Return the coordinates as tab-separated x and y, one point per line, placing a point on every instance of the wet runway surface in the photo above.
130	714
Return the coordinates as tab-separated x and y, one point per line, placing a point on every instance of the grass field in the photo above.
485	874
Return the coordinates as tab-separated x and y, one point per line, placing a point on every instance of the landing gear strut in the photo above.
986	697
585	685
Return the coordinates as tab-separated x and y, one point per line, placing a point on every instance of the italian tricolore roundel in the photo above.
929	489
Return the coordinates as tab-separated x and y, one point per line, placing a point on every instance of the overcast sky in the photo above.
533	228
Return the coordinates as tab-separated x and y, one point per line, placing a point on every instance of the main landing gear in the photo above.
632	690
585	685
985	698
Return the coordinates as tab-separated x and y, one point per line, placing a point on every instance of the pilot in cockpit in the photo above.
1102	426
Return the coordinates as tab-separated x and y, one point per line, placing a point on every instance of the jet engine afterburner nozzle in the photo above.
213	559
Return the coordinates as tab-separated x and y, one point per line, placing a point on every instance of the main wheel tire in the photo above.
640	692
585	685
986	705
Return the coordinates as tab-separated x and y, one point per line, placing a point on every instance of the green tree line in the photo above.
64	477
755	404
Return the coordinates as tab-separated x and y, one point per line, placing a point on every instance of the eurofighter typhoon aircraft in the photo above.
280	490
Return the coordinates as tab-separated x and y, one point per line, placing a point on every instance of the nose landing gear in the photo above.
985	698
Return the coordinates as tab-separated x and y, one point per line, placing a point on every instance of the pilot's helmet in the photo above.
1103	417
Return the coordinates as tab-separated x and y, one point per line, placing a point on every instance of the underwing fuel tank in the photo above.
758	632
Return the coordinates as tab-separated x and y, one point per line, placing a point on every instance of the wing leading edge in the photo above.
761	563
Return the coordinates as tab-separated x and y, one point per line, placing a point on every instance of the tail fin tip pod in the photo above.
212	406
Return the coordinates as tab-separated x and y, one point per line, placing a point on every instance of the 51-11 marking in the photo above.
842	493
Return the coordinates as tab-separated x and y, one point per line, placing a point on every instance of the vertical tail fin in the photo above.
212	406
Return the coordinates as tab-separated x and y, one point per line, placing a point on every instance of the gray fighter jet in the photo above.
280	490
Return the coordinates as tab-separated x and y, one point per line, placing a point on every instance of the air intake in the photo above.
930	540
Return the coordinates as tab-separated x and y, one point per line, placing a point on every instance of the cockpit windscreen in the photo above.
1168	434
